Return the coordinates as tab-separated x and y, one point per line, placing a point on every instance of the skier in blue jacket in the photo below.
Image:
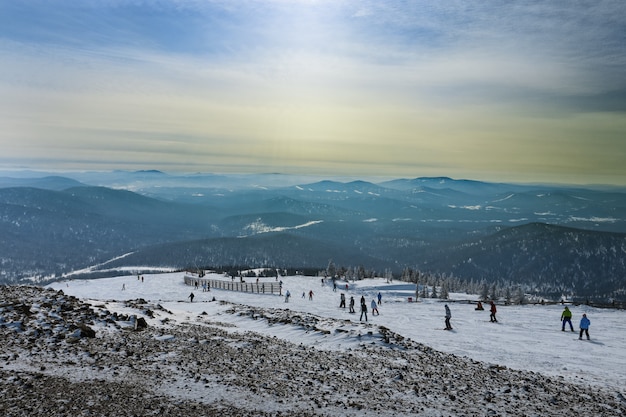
584	327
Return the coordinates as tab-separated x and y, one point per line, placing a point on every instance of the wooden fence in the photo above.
241	286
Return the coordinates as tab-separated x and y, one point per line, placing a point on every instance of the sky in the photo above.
526	91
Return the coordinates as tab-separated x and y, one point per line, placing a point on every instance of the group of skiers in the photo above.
373	304
566	317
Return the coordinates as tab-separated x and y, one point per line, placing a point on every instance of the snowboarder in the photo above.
448	317
380	298
351	304
479	306
375	308
191	297
584	327
363	312
566	317
342	302
493	310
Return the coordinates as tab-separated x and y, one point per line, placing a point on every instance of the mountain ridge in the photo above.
47	232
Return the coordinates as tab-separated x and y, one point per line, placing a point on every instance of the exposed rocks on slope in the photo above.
204	368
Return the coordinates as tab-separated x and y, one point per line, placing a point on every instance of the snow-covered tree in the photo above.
444	290
331	270
520	297
494	291
484	292
434	293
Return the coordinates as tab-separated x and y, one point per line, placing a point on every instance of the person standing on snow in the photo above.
380	298
351	304
566	317
448	317
493	311
375	308
363	311
191	297
584	327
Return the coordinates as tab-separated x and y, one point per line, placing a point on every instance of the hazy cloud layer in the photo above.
525	91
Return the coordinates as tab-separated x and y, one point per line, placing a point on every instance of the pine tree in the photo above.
331	270
444	291
494	291
434	293
507	296
484	292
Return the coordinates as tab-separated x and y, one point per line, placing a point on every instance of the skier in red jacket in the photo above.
493	310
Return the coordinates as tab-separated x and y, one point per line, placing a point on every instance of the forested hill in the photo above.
550	260
552	239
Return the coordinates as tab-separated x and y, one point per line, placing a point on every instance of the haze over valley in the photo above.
553	240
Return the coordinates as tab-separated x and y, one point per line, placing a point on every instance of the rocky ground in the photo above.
63	357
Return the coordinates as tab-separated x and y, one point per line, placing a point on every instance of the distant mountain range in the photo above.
554	239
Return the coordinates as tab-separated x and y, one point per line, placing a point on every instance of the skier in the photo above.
311	295
448	317
375	308
380	298
566	317
342	302
287	295
363	311
351	304
191	297
493	310
479	306
584	327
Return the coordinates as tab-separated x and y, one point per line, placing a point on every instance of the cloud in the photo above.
484	88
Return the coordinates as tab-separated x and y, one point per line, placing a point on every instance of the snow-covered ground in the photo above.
526	337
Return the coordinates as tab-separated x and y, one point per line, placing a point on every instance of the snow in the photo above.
526	337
